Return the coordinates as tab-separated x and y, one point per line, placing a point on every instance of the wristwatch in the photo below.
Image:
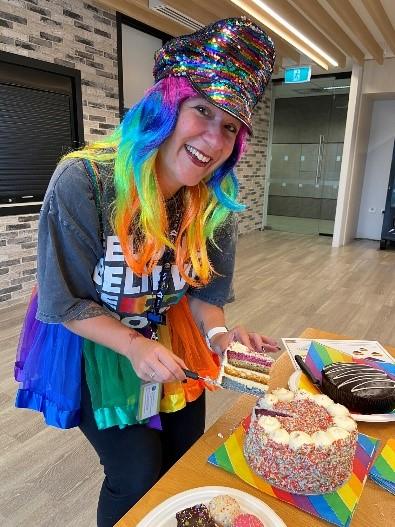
214	331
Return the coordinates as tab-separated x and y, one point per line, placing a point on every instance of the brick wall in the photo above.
18	239
71	33
252	169
82	35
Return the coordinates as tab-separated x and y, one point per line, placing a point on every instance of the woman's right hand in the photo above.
154	362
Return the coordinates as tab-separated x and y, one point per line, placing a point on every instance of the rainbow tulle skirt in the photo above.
48	367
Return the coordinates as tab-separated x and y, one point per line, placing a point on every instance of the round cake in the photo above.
361	388
307	448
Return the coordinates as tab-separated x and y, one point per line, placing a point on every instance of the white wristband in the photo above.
214	331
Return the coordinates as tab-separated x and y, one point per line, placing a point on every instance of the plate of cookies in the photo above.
212	507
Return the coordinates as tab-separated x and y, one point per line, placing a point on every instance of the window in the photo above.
39	122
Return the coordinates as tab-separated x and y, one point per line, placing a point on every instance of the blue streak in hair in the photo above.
226	169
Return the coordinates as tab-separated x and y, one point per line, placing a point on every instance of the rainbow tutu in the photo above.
48	367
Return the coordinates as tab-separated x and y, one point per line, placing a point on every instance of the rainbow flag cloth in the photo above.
383	469
335	507
320	356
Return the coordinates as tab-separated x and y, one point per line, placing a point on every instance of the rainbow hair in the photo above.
139	205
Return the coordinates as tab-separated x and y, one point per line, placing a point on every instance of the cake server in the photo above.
306	370
194	375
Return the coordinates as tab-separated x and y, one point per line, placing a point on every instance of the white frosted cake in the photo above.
308	451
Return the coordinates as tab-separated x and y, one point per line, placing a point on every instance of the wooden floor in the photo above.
285	283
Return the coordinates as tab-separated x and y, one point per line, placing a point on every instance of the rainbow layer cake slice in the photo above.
243	370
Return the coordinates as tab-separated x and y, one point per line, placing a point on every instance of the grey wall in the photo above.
377	169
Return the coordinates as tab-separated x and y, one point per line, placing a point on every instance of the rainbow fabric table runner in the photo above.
335	507
383	469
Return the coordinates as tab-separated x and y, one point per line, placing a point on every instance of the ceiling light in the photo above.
292	28
259	15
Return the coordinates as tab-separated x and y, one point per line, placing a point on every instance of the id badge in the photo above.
149	400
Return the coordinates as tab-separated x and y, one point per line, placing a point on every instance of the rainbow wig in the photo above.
139	206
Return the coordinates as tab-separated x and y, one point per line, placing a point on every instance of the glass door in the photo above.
328	174
306	154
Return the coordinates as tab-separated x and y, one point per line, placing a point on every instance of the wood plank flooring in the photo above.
284	283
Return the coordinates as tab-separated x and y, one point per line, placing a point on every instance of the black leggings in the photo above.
135	457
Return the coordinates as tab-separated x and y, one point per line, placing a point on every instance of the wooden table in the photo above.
375	509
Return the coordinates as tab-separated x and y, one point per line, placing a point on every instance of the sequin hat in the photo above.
229	62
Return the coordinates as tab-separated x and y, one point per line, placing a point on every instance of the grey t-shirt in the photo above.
75	267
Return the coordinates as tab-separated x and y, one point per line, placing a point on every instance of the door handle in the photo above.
318	168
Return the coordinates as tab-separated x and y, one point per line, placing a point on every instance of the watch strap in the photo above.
215	331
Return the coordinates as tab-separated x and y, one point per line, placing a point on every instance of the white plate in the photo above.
164	515
293	382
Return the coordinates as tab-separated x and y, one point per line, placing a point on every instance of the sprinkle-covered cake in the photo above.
309	450
244	370
361	388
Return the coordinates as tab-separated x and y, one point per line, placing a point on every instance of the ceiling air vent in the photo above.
174	14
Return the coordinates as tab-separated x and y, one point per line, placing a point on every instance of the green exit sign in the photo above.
299	74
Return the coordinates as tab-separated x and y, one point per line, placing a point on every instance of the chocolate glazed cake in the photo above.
360	388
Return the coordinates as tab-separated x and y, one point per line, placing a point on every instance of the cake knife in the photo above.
271	412
194	375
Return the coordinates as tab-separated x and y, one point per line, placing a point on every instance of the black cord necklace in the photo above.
154	316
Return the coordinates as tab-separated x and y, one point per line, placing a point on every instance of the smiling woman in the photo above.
203	139
135	262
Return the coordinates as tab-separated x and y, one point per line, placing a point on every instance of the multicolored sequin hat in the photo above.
229	62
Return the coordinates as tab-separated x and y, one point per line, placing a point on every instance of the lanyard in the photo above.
154	316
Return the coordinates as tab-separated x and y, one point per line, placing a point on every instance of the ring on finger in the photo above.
152	374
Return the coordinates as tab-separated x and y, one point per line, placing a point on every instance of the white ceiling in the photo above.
329	29
389	7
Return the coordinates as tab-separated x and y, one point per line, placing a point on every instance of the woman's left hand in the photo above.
254	341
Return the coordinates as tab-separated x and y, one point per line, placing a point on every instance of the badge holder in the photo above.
149	400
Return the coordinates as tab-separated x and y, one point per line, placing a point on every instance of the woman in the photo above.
135	263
